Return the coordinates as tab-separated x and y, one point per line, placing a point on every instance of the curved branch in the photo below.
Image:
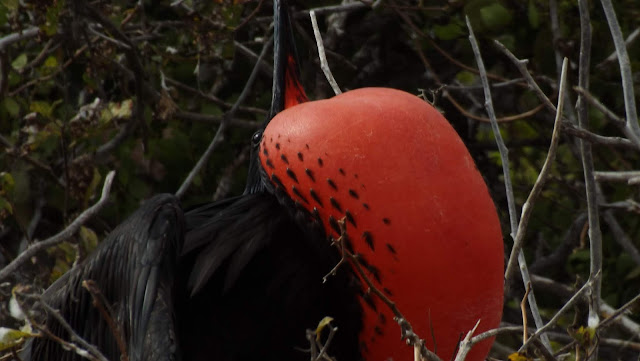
65	233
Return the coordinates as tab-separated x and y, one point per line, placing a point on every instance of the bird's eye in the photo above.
255	138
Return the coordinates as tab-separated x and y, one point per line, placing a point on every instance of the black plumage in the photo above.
134	269
257	284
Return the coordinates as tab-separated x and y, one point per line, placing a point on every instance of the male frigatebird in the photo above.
377	169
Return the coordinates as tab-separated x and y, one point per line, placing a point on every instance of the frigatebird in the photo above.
375	175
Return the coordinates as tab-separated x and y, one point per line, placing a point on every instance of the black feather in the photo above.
134	269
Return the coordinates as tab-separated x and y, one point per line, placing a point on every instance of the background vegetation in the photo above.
142	87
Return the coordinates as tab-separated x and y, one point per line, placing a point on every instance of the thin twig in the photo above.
265	67
621	237
64	234
506	119
466	344
135	63
87	351
12	151
19	36
50	76
625	72
74	336
100	302
249	17
527	207
566	292
523	310
504	152
357	5
597	139
555	31
616	176
447	95
601	107
517	230
214	119
497	331
614	343
449	57
617	313
635	35
213	98
522	67
595	235
406	329
324	65
556	317
219	136
226	179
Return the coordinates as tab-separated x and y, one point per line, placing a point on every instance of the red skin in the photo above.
407	179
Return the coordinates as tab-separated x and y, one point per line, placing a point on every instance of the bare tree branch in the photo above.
621	237
568	305
527	207
625	72
616	176
595	235
65	233
597	139
19	36
635	35
219	136
466	344
515	229
77	344
322	56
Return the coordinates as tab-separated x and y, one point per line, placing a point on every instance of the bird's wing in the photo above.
157	245
133	269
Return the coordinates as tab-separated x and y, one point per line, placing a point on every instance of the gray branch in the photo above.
625	71
64	234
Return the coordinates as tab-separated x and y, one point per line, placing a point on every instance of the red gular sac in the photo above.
416	209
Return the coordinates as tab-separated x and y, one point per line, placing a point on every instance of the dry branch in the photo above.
595	235
322	56
219	136
517	229
65	233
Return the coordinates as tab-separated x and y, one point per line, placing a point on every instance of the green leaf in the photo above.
11	5
93	186
519	356
19	62
448	32
12	107
6	182
465	77
43	108
53	13
51	62
321	325
11	338
88	238
495	16
534	15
